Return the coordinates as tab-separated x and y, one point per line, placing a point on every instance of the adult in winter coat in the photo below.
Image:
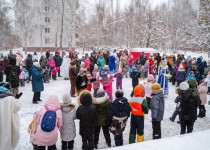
40	139
158	59
112	65
9	120
2	67
12	72
86	113
68	129
101	62
37	82
29	64
58	62
181	75
65	67
73	71
87	62
200	66
202	91
138	108
93	59
102	107
157	110
81	81
47	54
119	112
134	75
189	102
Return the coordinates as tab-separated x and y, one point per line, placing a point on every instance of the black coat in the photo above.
81	82
58	60
47	54
86	113
119	108
189	104
135	75
29	63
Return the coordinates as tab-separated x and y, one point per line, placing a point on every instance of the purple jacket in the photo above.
119	77
181	75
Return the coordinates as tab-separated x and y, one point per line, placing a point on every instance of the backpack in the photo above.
14	78
48	121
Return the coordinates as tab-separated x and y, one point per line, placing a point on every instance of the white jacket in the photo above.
9	123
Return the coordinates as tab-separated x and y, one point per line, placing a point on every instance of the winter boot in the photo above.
132	138
140	138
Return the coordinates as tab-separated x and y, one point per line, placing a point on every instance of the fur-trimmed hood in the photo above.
67	108
101	100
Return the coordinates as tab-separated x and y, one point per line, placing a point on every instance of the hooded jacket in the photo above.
9	121
86	113
135	75
202	90
42	138
102	107
157	106
37	79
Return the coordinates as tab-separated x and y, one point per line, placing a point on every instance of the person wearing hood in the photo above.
102	107
181	75
37	82
29	64
189	102
119	112
86	113
12	72
157	109
65	67
68	129
134	75
40	139
138	107
9	119
58	62
112	65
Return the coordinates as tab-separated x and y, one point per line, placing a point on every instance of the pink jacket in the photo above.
148	89
54	72
108	86
22	75
52	63
87	63
42	138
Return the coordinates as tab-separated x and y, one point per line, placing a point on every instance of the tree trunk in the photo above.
62	15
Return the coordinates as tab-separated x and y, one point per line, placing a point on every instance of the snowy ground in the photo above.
61	86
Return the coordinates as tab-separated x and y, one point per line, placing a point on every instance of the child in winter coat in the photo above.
89	84
104	73
68	129
41	138
96	84
202	90
86	113
157	109
119	77
102	106
22	77
148	88
54	73
191	76
146	69
181	75
52	65
138	107
142	72
177	110
119	112
108	87
134	75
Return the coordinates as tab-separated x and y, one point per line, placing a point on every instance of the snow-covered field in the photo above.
60	86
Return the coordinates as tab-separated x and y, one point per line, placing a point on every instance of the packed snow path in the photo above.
60	86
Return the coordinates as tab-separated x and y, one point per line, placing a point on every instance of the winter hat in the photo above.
110	76
66	99
85	98
150	77
119	93
184	86
156	87
100	93
139	91
119	71
106	67
192	83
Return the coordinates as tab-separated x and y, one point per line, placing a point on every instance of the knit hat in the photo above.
139	91
106	67
66	99
184	86
156	87
192	83
150	77
110	76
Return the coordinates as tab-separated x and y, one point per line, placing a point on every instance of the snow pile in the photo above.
193	141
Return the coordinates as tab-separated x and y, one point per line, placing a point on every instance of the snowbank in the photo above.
193	141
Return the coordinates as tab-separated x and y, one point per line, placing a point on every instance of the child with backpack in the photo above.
119	112
86	113
68	129
22	77
49	121
138	108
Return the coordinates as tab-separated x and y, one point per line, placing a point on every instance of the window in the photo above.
47	19
47	8
47	41
47	30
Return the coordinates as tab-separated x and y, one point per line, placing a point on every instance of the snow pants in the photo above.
87	142
118	140
52	147
186	125
67	145
119	85
156	126
106	134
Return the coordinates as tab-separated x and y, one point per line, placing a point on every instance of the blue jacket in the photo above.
181	75
191	77
37	79
112	66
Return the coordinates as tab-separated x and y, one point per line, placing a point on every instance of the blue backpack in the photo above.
48	121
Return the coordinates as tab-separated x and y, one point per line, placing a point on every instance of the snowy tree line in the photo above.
166	26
